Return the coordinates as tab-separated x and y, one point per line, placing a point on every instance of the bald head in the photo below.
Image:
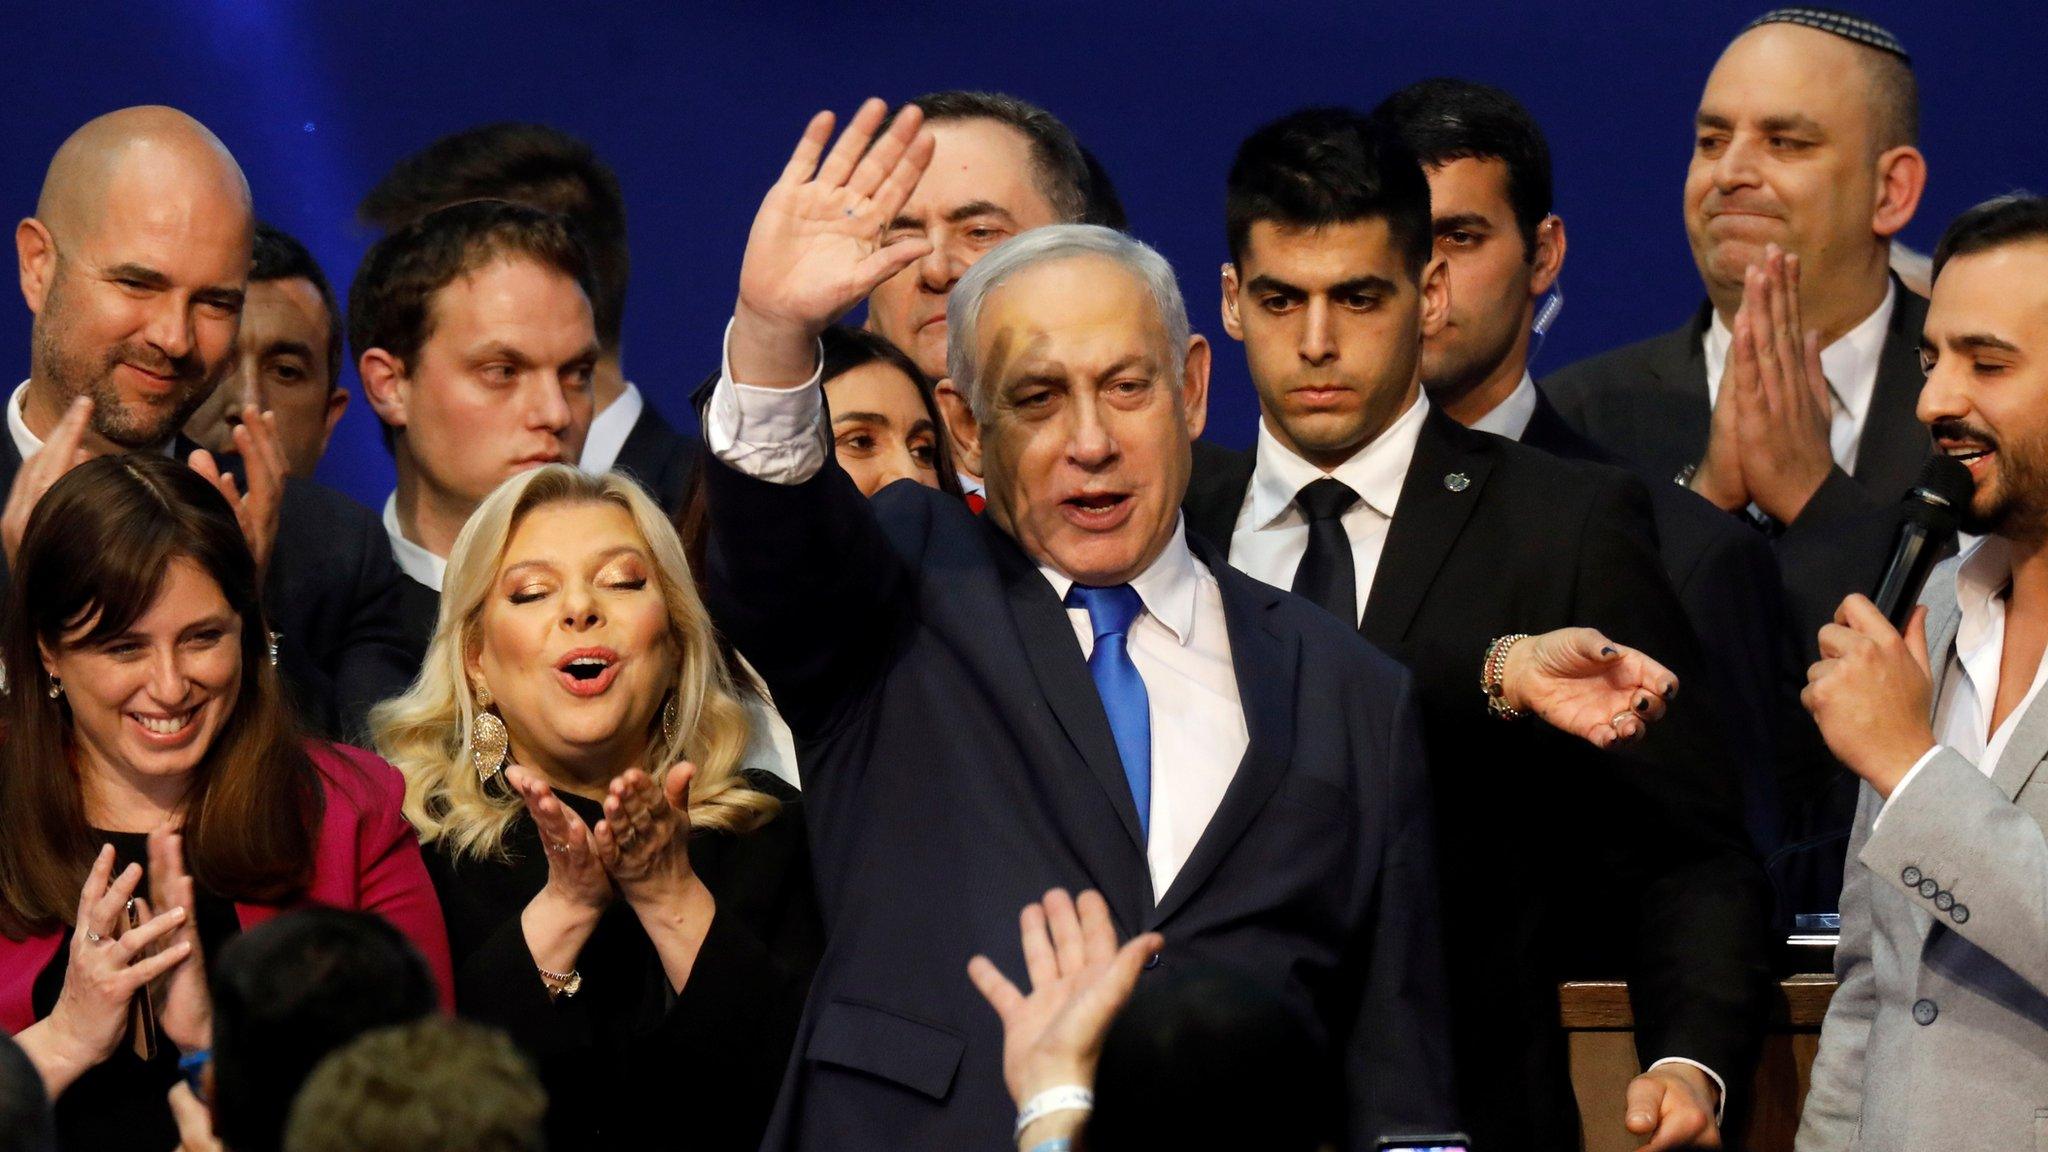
135	265
1887	94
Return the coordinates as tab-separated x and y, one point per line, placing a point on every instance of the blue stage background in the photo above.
696	105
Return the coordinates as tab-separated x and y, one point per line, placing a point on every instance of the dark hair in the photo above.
288	992
1324	166
529	164
449	1085
1060	168
849	348
1443	120
26	1122
1209	1035
1105	207
2014	218
279	256
92	562
391	303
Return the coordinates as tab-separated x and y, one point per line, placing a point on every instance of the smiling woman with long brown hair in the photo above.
145	730
623	897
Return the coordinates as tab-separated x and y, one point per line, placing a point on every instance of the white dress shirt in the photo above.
609	429
413	559
1510	417
1180	643
1272	531
1850	365
1969	681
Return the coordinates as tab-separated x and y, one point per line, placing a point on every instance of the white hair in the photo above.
1045	246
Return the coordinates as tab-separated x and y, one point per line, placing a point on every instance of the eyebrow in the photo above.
967	211
143	274
1461	220
1777	122
288	348
861	418
1981	342
1265	283
603	558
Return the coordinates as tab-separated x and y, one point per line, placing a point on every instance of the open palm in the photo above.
1580	682
816	247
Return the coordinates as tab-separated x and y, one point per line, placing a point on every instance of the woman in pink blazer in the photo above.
156	797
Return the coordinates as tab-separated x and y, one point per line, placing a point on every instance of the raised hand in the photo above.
1581	682
105	968
186	1011
575	874
644	838
1719	476
1870	692
62	452
1079	981
1784	412
816	248
263	462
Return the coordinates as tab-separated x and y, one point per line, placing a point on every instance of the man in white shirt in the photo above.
474	339
1068	691
1804	140
1445	547
1938	1034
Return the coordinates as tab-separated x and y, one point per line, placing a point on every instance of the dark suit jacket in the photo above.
1727	577
418	608
1648	402
660	458
957	763
1558	861
332	596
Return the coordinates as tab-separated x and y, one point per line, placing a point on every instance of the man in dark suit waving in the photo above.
1065	692
1443	546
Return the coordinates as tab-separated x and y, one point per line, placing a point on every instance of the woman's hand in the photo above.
644	838
106	967
1580	682
186	1011
559	919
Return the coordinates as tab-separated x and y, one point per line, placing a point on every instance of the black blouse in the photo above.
628	1058
123	1101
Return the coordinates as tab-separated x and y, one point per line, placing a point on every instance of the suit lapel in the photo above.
1266	664
1433	509
1216	489
1895	445
1065	685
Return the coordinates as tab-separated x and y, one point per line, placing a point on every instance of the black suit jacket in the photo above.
1648	402
660	458
1558	861
957	763
1727	578
419	607
332	596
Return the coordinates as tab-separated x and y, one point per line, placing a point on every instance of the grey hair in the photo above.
1045	246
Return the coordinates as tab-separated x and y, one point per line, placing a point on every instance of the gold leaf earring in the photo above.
668	720
489	742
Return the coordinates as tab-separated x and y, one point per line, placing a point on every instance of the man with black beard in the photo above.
1938	1035
135	265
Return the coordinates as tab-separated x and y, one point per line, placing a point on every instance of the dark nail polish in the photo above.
1608	651
1643	705
1670	693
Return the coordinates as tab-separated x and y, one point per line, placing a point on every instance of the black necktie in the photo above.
1327	575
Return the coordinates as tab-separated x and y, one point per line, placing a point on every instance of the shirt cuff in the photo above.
775	434
1903	782
1720	1085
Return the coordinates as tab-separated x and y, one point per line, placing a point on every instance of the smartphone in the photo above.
1442	1142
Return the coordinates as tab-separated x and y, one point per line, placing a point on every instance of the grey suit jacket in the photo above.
1938	1035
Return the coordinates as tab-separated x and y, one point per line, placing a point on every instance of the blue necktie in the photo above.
1111	611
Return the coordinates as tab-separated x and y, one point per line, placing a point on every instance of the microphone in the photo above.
1927	531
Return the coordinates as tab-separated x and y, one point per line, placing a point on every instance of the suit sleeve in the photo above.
1834	1097
1837	546
377	658
1398	1057
1699	968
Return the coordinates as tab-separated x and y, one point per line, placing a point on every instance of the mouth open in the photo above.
588	671
1974	455
165	729
1097	511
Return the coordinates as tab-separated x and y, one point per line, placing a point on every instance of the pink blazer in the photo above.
367	857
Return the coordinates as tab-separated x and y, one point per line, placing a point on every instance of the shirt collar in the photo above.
1850	363
413	560
1375	471
27	443
1510	417
1167	585
1982	575
609	429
